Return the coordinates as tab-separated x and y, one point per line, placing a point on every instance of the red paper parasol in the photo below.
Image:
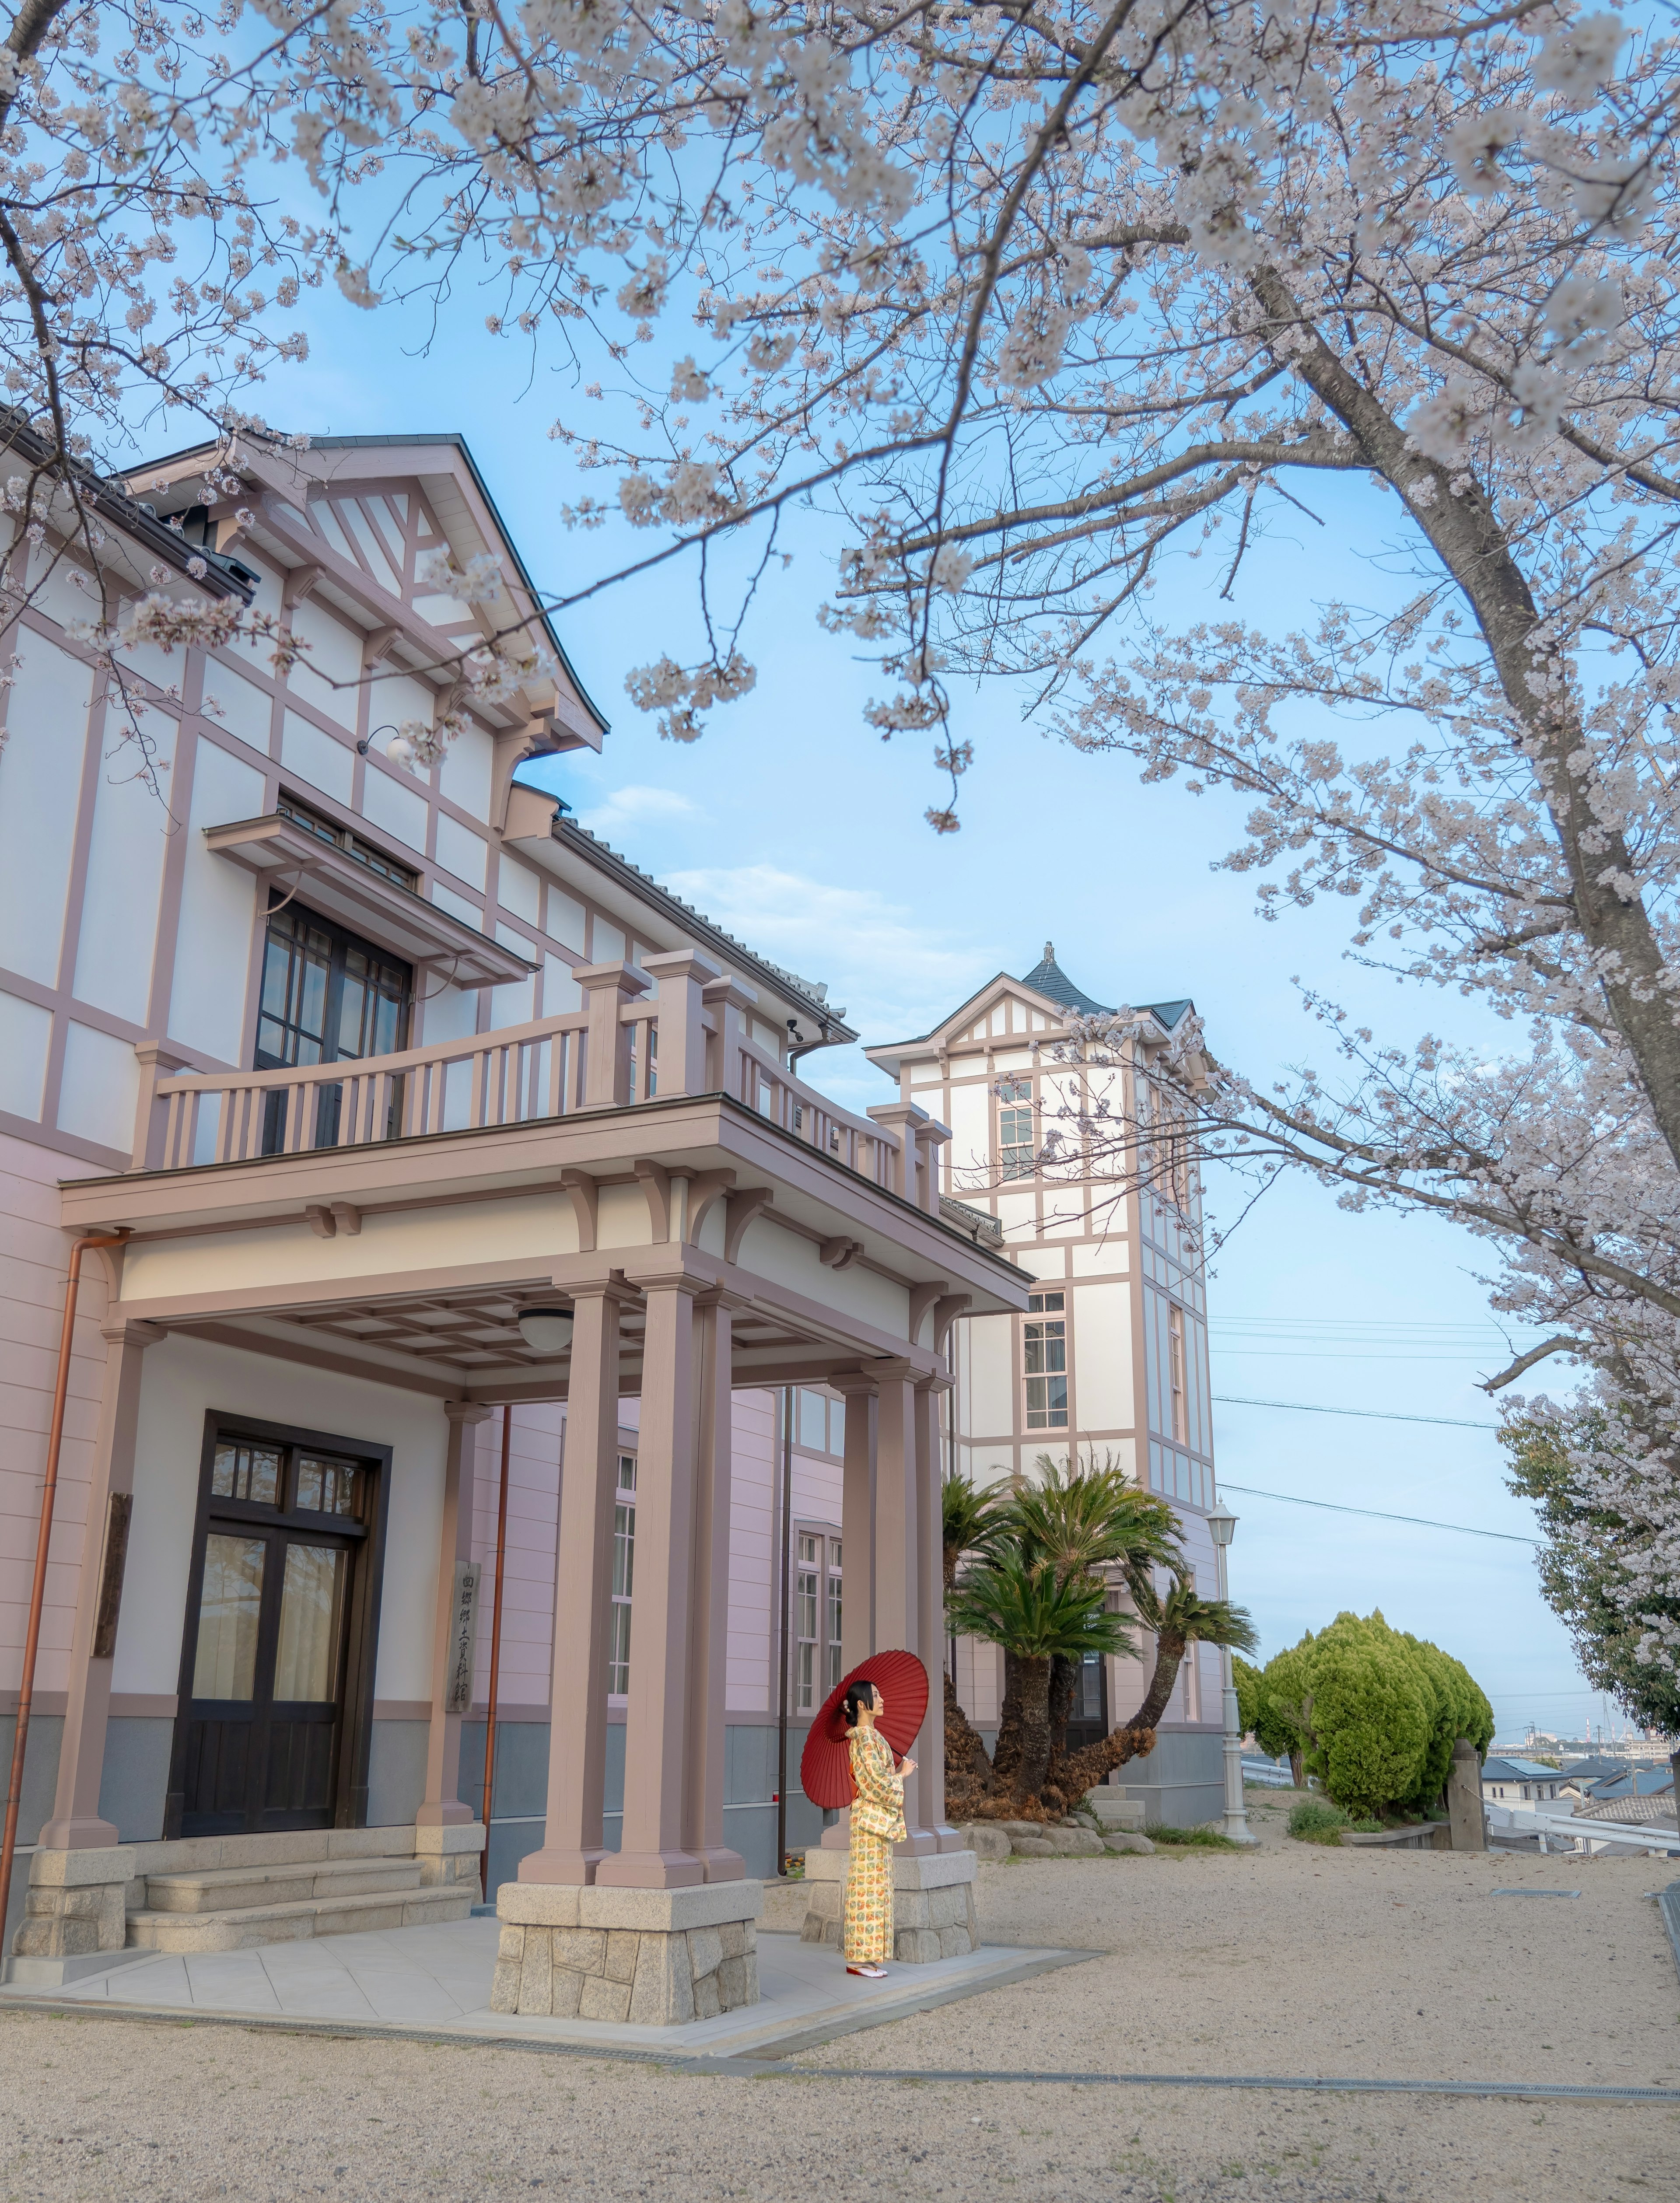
825	1765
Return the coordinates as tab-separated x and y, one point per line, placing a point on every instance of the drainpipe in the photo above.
787	1588
43	1538
495	1653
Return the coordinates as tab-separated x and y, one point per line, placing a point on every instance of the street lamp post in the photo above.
1222	1524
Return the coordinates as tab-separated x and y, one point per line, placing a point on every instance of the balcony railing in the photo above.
616	1051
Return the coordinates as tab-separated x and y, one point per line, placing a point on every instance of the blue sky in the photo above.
794	825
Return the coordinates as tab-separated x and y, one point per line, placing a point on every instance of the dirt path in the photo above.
1292	1960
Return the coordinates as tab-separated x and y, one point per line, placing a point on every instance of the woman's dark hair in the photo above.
854	1699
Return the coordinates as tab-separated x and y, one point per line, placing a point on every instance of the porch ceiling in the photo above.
467	1344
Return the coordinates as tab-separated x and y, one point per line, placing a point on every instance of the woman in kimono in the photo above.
878	1822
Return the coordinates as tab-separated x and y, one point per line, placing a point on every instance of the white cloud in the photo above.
896	975
627	808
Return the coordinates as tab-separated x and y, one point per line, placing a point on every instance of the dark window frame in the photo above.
366	1539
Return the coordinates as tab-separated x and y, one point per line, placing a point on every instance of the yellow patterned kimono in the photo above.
878	1822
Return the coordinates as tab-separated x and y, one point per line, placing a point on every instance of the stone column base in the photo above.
934	1914
655	1957
75	1908
451	1854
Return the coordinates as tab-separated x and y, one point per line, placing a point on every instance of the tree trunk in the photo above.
1543	690
1006	1755
1064	1674
1168	1657
1071	1777
1033	1679
1298	1770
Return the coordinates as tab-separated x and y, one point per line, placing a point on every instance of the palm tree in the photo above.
1078	1520
1178	1618
973	1517
1038	1616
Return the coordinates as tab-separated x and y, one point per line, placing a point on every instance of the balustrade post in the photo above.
156	1064
727	999
901	1122
683	975
607	1071
930	1138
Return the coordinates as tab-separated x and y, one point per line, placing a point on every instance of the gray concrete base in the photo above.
656	1957
1182	1783
434	1982
56	1973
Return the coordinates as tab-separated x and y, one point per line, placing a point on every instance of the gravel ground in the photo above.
1290	1961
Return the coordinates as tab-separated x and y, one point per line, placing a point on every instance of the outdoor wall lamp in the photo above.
546	1331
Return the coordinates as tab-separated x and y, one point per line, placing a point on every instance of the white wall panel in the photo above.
396	698
1102	1357
316	759
131	834
449	1014
992	1384
560	991
565	920
519	889
515	1003
335	657
396	804
101	1082
465	778
26	1031
246	710
970	1120
607	943
40	782
218	910
460	851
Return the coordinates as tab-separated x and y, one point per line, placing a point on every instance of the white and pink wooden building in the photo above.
406	1121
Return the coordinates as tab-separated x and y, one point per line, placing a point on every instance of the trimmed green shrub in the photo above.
1195	1840
1247	1677
1374	1714
1317	1821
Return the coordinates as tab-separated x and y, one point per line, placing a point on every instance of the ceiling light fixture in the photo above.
546	1331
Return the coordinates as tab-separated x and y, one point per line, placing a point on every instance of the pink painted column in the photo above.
655	1855
572	1841
897	1564
442	1807
75	1825
708	1625
930	1646
857	1545
606	1067
683	974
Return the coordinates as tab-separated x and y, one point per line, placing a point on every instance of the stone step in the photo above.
245	1927
238	1888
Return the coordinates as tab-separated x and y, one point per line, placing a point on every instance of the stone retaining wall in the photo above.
650	1958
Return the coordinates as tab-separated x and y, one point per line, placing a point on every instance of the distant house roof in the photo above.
1596	1769
1518	1770
1635	1782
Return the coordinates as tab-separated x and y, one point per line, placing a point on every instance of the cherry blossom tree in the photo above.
1054	311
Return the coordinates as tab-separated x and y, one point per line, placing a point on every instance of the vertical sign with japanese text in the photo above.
463	1638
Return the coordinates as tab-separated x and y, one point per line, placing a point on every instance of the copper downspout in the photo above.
43	1538
495	1654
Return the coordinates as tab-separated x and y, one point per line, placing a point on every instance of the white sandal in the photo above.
869	1973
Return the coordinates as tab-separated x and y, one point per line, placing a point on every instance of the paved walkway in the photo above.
437	1978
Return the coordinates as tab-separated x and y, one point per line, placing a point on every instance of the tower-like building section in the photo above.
1079	1167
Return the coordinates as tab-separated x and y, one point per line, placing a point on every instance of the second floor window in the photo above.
326	996
1016	1142
1175	1369
623	1577
1045	1358
836	1608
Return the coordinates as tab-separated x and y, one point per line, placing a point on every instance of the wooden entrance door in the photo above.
276	1663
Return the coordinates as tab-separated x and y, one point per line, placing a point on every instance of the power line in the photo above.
1376	1414
1423	1521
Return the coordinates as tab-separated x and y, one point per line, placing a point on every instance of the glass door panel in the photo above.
230	1608
306	1660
